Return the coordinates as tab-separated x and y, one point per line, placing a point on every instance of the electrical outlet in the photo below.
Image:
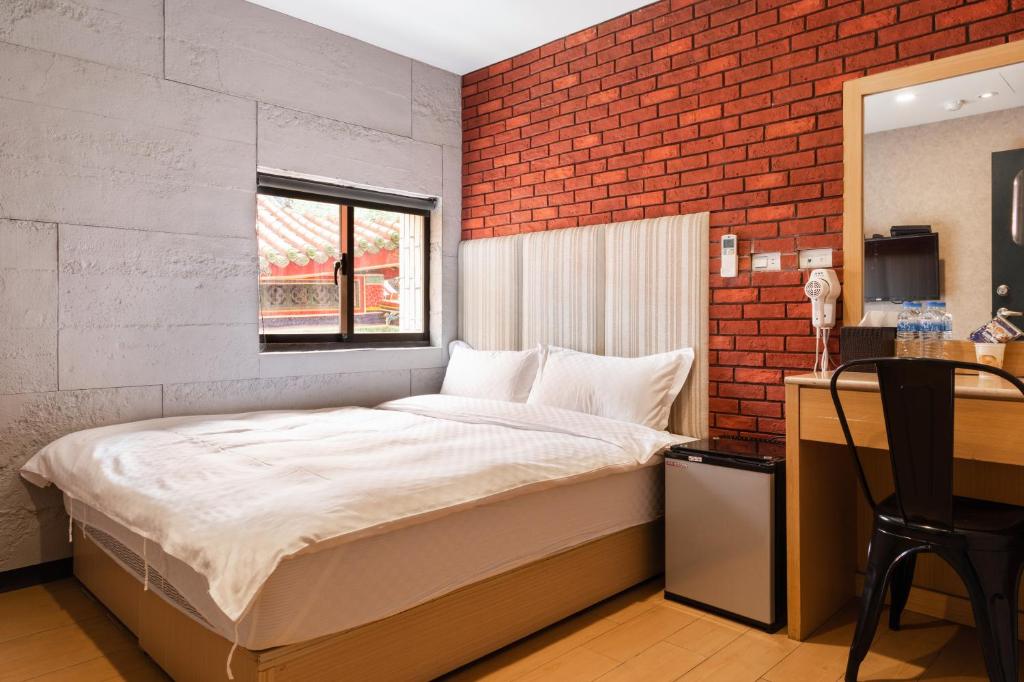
811	259
766	262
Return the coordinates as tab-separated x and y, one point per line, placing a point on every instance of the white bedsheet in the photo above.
321	592
231	496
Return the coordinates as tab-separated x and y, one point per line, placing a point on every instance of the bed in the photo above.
331	589
461	576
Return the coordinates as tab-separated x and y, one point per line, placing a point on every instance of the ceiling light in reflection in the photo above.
905	97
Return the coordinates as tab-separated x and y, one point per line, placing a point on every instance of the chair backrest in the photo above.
918	404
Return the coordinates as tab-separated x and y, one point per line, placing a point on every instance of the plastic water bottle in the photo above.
947	333
932	327
945	327
908	339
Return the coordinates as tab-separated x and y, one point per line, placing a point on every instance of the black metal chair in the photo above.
983	541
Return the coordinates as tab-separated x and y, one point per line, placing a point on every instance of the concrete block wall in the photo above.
130	135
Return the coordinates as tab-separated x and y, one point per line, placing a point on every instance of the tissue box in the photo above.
856	343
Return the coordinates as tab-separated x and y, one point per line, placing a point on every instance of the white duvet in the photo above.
232	495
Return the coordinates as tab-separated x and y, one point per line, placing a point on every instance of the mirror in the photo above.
942	195
973	260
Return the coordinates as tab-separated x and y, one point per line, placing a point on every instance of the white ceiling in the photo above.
456	35
885	112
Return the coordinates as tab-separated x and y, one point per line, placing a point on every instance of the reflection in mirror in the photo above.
940	164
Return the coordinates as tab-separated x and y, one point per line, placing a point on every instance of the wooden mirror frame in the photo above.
854	92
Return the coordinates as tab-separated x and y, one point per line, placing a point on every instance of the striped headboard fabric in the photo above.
490	292
624	289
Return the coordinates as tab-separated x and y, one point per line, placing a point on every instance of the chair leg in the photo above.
902	579
883	552
993	583
999	574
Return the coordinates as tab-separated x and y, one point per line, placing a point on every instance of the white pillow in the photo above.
493	374
639	390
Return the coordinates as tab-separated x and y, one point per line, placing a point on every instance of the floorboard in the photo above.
57	632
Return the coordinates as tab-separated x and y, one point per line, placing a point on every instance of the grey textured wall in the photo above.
130	134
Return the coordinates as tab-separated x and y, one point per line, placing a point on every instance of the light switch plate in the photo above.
766	262
810	259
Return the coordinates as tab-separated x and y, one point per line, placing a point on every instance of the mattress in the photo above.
323	591
233	496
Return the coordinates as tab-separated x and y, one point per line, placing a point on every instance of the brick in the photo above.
725	63
777	426
760	343
794	59
905	30
800	8
847	46
741	358
763	52
789	128
785	326
749	391
816	37
833	15
735	295
730	106
932	42
738	326
782	294
997	26
790	360
762	311
969	14
724	405
868	22
745	375
672	48
761	408
736	422
865	60
798	193
917	8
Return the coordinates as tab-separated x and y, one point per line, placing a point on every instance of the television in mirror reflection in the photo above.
945	154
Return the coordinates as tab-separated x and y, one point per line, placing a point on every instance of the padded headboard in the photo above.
623	289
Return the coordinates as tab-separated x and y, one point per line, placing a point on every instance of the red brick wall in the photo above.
717	105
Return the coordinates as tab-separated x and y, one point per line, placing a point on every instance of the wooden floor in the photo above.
58	632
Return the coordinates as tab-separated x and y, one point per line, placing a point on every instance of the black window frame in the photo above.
328	341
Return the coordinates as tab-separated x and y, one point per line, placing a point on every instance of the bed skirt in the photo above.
418	644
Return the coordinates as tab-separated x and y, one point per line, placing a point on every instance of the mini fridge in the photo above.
725	524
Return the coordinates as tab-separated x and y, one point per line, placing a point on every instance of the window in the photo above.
340	266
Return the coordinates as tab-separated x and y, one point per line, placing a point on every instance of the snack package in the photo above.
997	330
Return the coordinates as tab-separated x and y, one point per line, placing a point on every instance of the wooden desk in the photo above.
828	523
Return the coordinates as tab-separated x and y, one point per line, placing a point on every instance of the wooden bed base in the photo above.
419	644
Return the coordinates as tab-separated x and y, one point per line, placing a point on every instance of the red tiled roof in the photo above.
286	234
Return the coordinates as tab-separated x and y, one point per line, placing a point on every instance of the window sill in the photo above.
340	346
348	358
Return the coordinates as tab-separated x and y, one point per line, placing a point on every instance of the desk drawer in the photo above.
985	430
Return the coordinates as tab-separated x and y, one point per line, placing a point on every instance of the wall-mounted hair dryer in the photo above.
823	289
